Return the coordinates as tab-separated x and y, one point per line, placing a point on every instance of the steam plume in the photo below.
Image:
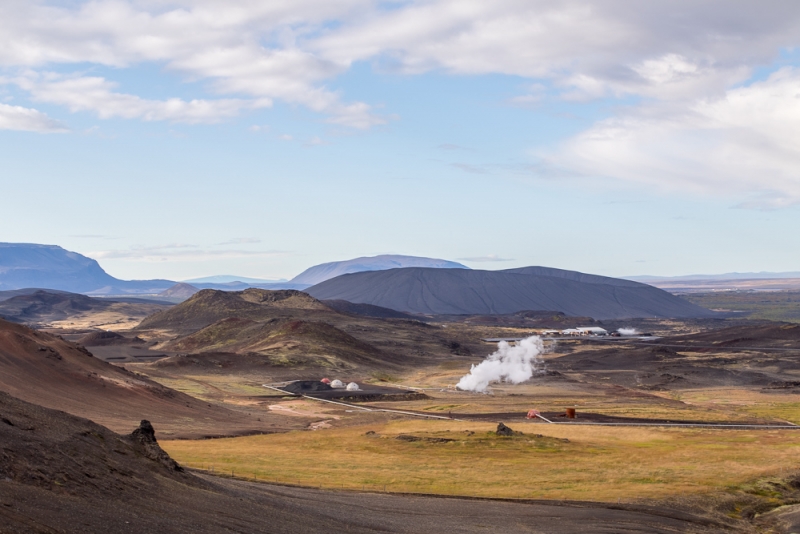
627	331
513	364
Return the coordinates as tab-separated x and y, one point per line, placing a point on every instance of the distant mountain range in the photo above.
29	265
228	278
763	275
24	265
326	271
707	283
475	292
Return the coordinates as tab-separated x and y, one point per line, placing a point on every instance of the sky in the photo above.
177	139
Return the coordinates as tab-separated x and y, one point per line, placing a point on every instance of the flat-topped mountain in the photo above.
326	271
474	292
24	265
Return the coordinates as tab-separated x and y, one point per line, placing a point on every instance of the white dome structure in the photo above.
337	384
352	386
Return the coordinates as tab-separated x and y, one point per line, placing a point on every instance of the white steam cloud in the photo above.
512	363
627	331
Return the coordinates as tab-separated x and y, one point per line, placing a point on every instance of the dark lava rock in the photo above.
503	430
144	439
410	438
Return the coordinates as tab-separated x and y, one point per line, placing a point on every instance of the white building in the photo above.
592	331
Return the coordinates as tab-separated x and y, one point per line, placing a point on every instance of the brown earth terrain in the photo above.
51	372
60	473
216	350
47	309
763	356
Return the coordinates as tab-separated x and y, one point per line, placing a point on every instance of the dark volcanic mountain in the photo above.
24	265
473	292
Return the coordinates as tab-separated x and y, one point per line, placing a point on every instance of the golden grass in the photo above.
775	405
598	463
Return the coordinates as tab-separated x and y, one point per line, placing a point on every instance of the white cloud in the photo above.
472	169
316	141
489	257
288	50
240	241
238	47
178	252
695	130
588	48
28	120
84	93
742	144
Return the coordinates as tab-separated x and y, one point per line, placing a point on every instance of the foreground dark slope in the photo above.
60	473
51	372
468	292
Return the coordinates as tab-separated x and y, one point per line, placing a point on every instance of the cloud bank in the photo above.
698	122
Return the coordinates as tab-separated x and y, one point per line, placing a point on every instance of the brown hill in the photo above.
209	306
324	336
179	291
283	341
61	309
46	370
105	339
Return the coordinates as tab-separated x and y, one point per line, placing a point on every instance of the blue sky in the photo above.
173	139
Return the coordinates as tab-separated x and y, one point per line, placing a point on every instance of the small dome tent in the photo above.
337	384
352	386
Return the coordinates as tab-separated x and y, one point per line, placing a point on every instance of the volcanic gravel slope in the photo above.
46	370
60	473
473	292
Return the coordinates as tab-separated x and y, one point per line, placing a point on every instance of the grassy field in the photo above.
767	305
586	463
744	402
